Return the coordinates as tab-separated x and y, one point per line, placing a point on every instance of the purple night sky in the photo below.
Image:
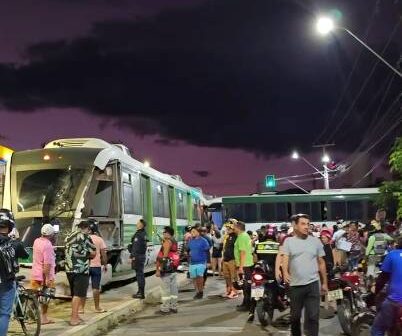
243	128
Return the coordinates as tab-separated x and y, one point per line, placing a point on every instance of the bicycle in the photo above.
26	309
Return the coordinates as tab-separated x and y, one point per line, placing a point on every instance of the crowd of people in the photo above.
302	256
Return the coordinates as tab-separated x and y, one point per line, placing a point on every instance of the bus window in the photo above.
316	211
338	210
283	212
355	210
268	212
303	208
235	211
102	199
250	215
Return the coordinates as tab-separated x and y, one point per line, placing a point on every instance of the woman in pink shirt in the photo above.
95	270
43	265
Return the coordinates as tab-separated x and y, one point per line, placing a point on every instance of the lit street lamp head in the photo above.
295	155
147	163
325	25
326	158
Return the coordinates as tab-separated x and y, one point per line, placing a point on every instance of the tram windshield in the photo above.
50	191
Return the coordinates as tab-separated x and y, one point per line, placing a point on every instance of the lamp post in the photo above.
325	159
325	25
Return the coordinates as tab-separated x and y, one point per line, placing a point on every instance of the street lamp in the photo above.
326	25
325	159
147	163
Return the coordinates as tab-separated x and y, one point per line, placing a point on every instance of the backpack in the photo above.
172	262
380	244
8	262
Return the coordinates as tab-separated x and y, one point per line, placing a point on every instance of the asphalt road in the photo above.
211	316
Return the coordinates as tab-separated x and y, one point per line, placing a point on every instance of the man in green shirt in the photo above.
244	262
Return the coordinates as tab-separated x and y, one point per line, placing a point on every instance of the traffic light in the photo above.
270	181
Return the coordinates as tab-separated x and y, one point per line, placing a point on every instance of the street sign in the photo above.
270	181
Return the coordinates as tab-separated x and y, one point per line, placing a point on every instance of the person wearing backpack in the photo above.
10	251
376	247
166	266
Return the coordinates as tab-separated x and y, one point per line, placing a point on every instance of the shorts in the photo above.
37	284
229	270
78	284
197	270
216	253
95	274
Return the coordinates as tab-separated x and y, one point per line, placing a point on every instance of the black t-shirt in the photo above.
228	251
329	258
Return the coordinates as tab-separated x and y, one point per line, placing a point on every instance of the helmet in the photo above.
47	230
284	228
7	219
93	225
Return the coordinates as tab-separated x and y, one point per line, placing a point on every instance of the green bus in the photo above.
323	206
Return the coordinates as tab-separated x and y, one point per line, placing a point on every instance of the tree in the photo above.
391	191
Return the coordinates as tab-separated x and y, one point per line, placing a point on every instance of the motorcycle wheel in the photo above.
361	324
265	313
345	315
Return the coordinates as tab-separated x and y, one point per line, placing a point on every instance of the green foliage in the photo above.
391	191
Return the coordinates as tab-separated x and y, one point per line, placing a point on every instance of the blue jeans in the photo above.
353	260
7	295
385	318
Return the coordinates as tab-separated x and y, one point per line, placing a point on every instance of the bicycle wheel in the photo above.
30	320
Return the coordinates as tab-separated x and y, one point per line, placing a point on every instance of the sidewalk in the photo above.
116	301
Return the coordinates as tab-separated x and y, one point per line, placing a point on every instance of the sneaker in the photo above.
198	296
139	296
250	318
160	312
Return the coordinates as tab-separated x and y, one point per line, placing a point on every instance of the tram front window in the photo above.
51	191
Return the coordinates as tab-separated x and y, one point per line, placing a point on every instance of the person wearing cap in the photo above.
7	273
79	249
229	265
326	238
43	265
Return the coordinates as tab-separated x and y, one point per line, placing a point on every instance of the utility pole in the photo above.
325	160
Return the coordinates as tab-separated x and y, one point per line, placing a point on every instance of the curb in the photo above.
101	324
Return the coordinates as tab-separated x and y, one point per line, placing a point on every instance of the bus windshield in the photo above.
51	191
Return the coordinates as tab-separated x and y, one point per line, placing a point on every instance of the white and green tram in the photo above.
74	179
323	206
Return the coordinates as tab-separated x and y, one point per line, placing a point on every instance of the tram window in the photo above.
250	213
181	201
338	210
160	199
303	208
355	210
268	212
282	212
128	198
316	214
235	211
102	199
196	210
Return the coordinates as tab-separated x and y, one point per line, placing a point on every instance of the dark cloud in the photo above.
230	73
202	173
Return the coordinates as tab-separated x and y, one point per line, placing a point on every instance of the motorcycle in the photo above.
268	294
350	300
